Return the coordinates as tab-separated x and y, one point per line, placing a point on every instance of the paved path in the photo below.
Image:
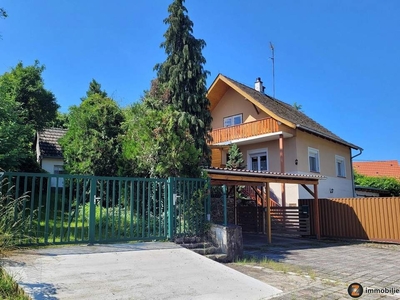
335	265
129	271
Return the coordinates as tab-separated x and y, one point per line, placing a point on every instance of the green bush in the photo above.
13	224
392	185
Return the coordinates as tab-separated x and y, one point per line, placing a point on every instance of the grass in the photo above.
276	266
9	289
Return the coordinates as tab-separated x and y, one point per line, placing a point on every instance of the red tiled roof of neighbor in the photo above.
387	168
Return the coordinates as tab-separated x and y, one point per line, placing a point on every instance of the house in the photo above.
368	191
49	153
386	168
276	137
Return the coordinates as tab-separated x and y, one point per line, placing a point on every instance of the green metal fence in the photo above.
62	209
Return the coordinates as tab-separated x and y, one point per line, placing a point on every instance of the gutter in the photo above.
352	170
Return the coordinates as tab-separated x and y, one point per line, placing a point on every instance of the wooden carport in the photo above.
233	177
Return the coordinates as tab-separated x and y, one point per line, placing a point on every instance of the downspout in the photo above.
352	170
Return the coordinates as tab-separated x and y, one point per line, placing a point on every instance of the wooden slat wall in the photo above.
288	220
250	218
375	219
216	158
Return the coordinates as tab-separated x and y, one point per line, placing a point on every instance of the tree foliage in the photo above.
91	144
94	88
25	106
297	106
155	144
184	77
15	135
25	85
235	160
392	185
61	120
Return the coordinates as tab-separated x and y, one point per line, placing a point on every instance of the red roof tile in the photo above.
387	168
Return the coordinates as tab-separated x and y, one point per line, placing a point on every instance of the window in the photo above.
258	160
233	120
313	159
59	169
340	166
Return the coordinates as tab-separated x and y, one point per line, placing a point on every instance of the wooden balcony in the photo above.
244	130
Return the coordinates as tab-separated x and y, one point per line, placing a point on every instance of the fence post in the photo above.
47	212
171	213
92	211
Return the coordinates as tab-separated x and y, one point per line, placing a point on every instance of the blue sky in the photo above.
339	59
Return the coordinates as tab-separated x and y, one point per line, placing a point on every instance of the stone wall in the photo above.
229	239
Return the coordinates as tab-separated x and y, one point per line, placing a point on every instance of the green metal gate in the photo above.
64	209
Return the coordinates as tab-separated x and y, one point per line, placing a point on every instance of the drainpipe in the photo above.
352	170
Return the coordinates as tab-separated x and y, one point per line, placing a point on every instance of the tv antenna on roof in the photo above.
273	68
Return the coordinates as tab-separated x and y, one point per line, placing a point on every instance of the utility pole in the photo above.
273	69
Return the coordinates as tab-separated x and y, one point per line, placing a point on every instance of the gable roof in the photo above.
277	109
48	142
388	168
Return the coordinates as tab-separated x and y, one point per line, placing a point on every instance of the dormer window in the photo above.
233	120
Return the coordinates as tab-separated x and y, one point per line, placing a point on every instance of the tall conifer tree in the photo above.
183	74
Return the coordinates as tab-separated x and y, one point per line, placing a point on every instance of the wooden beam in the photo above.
230	182
308	190
246	180
255	190
263	211
269	233
316	213
255	107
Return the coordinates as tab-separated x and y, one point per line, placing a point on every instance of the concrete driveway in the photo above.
129	271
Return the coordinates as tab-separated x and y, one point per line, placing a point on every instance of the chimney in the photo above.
259	85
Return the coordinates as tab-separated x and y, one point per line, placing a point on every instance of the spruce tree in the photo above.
184	75
235	160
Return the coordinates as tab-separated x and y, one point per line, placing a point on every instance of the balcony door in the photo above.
258	160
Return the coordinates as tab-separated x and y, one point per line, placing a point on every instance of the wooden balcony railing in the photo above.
245	130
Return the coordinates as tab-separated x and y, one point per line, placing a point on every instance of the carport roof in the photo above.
249	177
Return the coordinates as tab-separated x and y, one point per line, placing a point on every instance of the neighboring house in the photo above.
367	191
49	153
386	168
275	136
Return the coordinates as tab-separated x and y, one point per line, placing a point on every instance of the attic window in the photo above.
233	120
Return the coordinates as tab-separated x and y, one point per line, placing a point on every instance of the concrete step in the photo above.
222	258
205	251
188	240
196	245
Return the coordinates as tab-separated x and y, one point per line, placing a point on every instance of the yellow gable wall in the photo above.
232	103
327	152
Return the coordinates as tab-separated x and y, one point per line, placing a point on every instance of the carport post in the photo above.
225	209
266	193
316	212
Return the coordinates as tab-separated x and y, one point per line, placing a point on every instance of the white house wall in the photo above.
48	165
